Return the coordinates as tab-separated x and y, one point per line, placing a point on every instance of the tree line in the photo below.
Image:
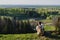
30	12
11	26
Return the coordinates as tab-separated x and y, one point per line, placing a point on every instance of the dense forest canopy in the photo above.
30	12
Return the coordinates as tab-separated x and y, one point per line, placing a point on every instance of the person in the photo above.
39	28
42	27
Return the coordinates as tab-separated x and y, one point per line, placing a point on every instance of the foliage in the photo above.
56	22
22	13
8	25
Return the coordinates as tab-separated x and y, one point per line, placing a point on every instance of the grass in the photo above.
28	36
18	36
31	36
49	28
46	21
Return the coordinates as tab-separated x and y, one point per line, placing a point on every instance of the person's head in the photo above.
39	23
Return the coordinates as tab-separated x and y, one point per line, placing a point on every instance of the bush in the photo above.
50	17
56	22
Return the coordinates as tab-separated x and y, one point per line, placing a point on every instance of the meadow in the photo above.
29	36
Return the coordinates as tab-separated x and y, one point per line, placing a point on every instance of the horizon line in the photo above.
29	4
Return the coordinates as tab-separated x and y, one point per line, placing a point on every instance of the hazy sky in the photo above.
31	2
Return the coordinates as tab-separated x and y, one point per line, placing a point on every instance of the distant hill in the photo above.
29	6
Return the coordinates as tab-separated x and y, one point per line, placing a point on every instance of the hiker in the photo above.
40	29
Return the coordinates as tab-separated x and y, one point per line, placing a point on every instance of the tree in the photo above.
56	22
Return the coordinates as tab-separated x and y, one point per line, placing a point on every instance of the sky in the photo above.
29	2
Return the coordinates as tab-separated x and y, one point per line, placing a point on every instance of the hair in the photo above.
40	23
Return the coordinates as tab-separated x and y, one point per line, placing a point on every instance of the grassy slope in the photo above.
17	36
32	36
49	28
28	36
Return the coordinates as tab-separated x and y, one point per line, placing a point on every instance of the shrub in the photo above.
56	22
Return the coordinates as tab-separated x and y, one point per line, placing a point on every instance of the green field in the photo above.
31	36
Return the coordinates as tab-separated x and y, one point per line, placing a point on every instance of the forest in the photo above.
25	13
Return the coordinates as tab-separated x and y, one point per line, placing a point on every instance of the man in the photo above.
39	28
42	27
